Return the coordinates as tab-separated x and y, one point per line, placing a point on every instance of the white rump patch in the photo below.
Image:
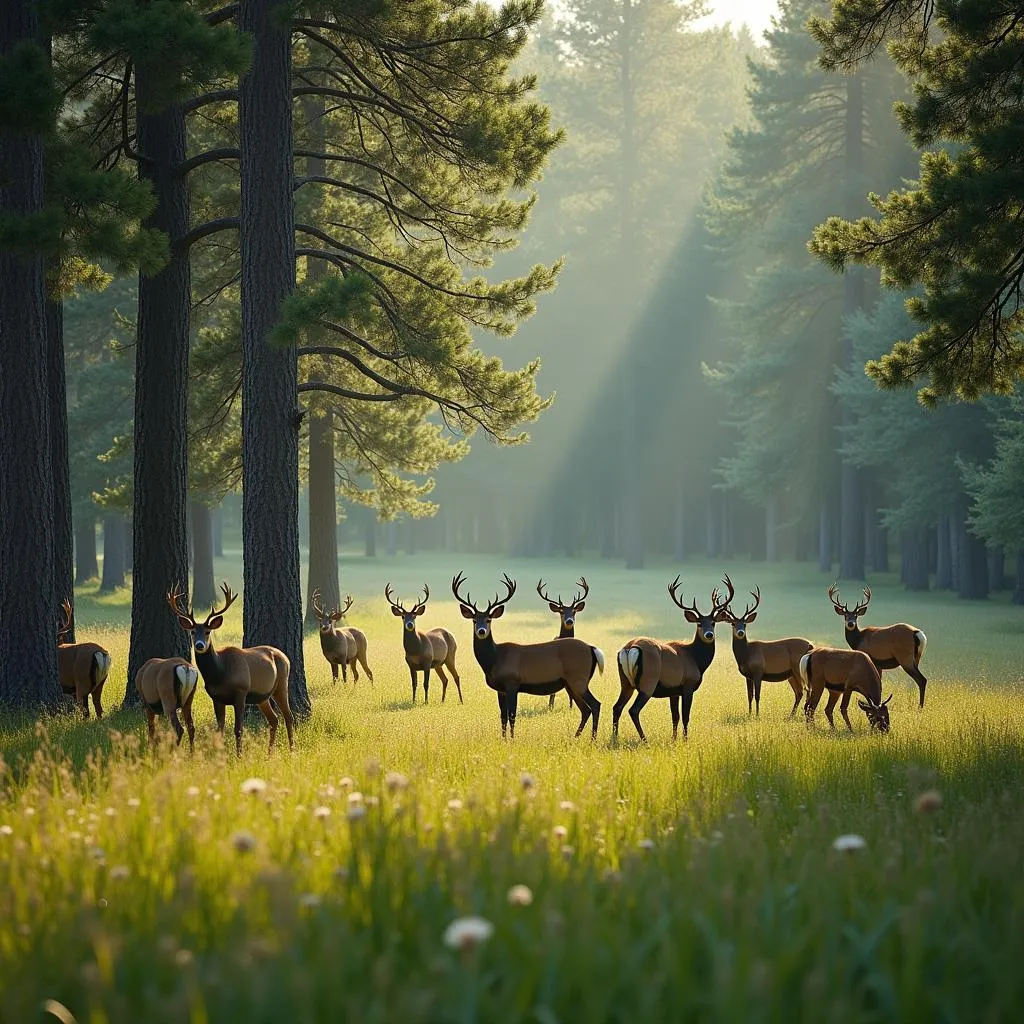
102	660
599	658
188	677
628	659
803	669
923	642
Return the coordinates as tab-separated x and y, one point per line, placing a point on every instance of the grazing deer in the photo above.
342	645
237	675
82	667
844	673
540	669
566	615
765	660
167	685
674	669
898	646
434	649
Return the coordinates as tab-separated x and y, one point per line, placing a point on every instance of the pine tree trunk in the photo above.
608	549
824	537
28	656
270	421
914	558
129	543
680	523
972	553
113	553
159	537
218	532
712	546
323	531
204	588
1018	587
771	529
997	568
87	565
943	555
957	529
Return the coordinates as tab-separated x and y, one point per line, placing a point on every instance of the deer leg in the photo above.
842	709
170	706
503	708
511	702
151	724
186	713
551	701
687	705
268	714
219	710
634	712
239	707
595	710
344	671
366	668
96	702
415	681
618	707
833	696
585	711
915	673
281	700
334	671
355	670
798	690
455	677
750	697
444	681
82	699
811	705
757	696
673	705
426	684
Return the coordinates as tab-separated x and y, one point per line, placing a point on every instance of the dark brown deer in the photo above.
844	673
237	676
82	667
674	669
342	645
434	649
765	660
539	669
898	646
566	615
167	686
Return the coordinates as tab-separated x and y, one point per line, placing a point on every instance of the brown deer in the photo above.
898	646
434	649
844	673
673	669
540	669
167	685
765	660
566	615
342	645
82	667
237	675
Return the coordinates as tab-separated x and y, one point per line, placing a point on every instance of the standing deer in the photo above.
434	649
82	667
898	646
844	673
765	660
566	615
342	645
540	669
237	675
673	669
167	685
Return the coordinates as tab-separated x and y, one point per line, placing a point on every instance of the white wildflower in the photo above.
560	831
520	896
395	781
466	932
243	842
356	812
455	805
321	812
848	843
252	787
646	844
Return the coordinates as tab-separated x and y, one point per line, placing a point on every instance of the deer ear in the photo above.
185	624
691	615
579	606
865	707
751	617
396	611
498	612
335	616
419	609
554	607
467	613
838	611
216	622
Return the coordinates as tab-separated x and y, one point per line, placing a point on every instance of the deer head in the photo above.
850	615
201	631
566	612
326	619
705	623
494	610
410	615
878	714
740	622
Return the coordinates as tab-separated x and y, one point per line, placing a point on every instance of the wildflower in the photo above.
373	768
194	790
29	811
455	805
345	783
466	932
355	798
527	781
395	781
560	831
119	872
568	851
309	900
6	830
930	800
134	801
321	812
183	958
252	787
97	853
567	805
848	843
110	812
520	896
372	801
646	844
356	812
243	842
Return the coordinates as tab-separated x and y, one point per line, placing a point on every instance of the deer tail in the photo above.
629	663
805	669
101	666
598	661
187	677
920	643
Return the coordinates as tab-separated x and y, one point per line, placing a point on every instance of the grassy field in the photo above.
667	882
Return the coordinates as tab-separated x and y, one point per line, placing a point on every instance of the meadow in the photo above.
690	881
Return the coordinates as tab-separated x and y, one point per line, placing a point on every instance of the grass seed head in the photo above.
465	933
252	787
520	896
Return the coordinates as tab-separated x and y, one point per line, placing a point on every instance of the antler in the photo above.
756	595
457	582
581	582
544	596
66	626
348	604
390	599
317	606
672	588
229	600
173	598
833	593
861	608
510	587
426	597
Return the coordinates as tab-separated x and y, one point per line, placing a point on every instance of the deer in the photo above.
540	669
765	660
674	669
342	645
237	675
167	686
897	646
566	614
844	673
82	667
434	649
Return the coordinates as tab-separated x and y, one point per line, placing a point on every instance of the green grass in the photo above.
123	894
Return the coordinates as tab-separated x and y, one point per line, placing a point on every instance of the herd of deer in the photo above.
648	668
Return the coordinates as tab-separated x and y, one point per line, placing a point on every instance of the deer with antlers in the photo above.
844	673
674	669
566	614
897	646
765	660
82	667
539	669
237	676
342	645
167	686
434	649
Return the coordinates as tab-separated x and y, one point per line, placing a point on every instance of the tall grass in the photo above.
688	881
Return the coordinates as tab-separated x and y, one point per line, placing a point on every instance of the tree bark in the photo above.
680	522
270	414
997	568
217	518
712	546
204	588
159	536
86	563
771	529
1018	587
28	656
825	536
914	558
943	555
972	584
113	553
957	529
